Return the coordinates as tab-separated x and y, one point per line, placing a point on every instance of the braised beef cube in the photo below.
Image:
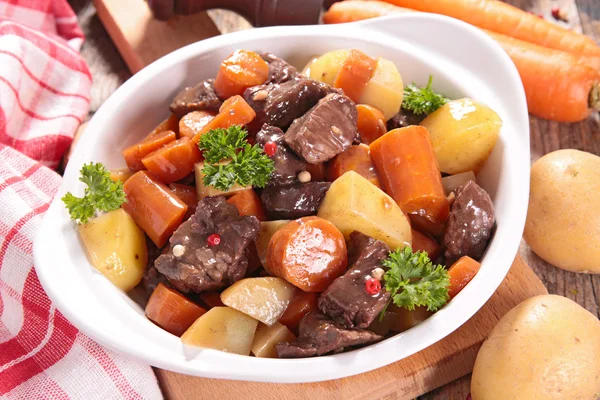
469	227
196	98
279	69
293	201
287	164
280	104
346	300
192	264
325	131
319	335
403	119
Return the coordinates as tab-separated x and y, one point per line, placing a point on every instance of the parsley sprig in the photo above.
413	280
101	194
246	165
422	100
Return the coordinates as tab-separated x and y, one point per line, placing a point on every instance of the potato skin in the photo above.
546	348
563	220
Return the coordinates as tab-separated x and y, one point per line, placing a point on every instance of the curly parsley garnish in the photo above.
422	100
247	165
413	280
101	194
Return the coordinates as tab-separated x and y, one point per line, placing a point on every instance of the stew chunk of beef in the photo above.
319	335
404	118
325	131
196	98
287	164
345	300
279	69
280	104
470	224
191	265
294	201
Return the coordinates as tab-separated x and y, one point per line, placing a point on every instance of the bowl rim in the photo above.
307	369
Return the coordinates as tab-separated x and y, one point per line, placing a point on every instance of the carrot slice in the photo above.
169	124
171	310
153	207
248	203
407	168
371	123
188	195
241	70
355	73
461	273
133	154
193	122
422	242
233	111
174	161
356	158
357	10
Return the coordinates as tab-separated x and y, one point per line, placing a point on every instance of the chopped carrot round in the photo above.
239	71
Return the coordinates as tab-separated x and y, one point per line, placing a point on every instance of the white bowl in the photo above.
463	61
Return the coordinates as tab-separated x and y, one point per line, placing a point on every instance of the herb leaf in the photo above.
247	165
413	280
422	100
101	194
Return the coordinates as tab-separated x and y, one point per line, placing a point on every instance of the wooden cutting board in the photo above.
140	41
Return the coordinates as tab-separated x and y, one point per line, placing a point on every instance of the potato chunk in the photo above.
116	246
327	67
267	337
222	328
355	204
264	299
463	133
267	230
385	90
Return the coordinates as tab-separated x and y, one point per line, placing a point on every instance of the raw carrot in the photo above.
461	273
423	242
193	122
133	154
355	73
357	10
171	310
233	111
241	70
506	19
248	203
356	158
153	206
407	168
371	122
188	195
557	84
174	161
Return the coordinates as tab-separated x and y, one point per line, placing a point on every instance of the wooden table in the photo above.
109	71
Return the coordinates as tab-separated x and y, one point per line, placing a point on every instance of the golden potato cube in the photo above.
327	67
267	337
264	299
222	328
116	246
355	204
385	89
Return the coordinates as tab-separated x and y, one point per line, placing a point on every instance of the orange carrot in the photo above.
153	206
120	174
193	122
558	85
355	73
357	10
241	70
173	161
301	304
371	122
169	124
407	168
234	111
461	273
171	310
317	172
188	195
503	18
248	203
133	154
422	242
356	158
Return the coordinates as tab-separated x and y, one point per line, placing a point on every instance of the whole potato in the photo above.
464	133
546	348
563	220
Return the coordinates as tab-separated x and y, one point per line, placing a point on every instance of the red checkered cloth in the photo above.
44	95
